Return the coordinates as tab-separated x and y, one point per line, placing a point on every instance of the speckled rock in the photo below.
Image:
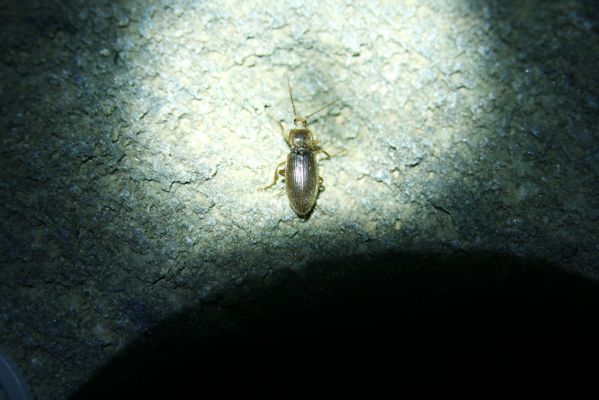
134	137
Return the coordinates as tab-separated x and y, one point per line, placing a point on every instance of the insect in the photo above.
302	182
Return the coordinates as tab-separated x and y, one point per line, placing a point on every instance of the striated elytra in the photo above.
301	175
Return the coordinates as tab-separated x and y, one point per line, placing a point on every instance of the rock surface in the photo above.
134	137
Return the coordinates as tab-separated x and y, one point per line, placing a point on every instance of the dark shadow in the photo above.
337	312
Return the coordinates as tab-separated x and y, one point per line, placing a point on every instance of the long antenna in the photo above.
321	108
291	96
312	113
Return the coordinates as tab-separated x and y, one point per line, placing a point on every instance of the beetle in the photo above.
302	182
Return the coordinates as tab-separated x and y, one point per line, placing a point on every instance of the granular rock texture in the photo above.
134	136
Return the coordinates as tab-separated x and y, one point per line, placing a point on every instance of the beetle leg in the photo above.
282	173
317	207
339	153
326	153
281	127
278	171
320	150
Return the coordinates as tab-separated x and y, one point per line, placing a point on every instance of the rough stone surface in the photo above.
134	136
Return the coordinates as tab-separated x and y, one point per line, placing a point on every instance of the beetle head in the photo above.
300	122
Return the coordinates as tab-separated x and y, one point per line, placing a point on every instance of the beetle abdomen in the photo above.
301	180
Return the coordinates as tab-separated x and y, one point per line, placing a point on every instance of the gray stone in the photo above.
134	138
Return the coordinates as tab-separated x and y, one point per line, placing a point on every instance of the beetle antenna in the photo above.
322	108
291	97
